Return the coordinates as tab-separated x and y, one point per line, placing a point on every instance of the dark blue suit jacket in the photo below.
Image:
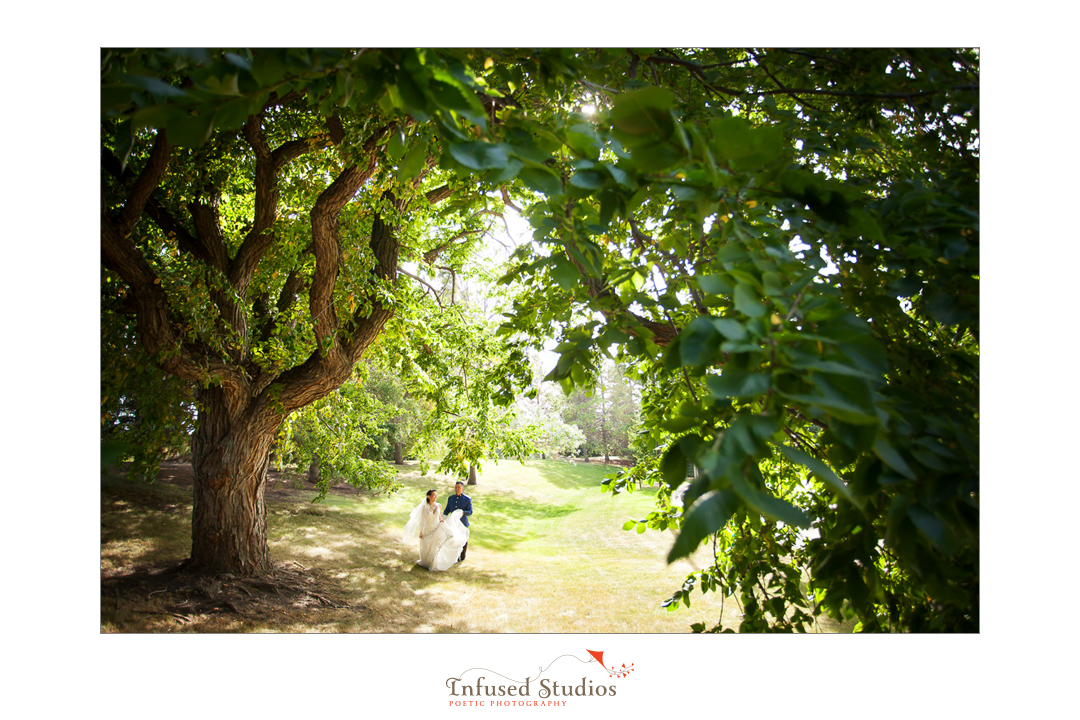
460	502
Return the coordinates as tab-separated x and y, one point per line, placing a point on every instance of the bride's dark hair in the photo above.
428	496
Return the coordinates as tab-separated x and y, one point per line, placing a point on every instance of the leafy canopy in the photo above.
783	246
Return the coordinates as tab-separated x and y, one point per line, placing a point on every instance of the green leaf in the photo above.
673	356
412	96
771	507
655	158
564	273
857	437
716	284
541	180
619	175
821	471
747	301
239	61
679	423
643	113
731	329
479	155
930	526
451	97
268	67
125	141
765	425
731	254
890	457
944	308
833	367
735	140
897	515
413	161
588	179
673	466
706	516
156	87
848	398
227	85
501	175
396	146
773	283
232	115
700	341
584	144
629	524
191	130
736	383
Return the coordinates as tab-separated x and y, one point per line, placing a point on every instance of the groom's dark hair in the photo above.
459	483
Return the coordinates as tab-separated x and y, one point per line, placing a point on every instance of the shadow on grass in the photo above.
573	476
142	523
504	521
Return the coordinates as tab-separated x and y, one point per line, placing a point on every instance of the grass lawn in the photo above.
547	554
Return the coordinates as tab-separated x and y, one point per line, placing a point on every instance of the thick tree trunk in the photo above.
313	470
231	453
399	455
472	475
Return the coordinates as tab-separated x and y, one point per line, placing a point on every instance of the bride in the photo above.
441	538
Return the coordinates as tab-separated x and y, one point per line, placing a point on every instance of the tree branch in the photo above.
275	101
695	70
208	231
146	183
816	57
453	286
508	203
425	283
780	85
260	237
432	255
439	194
867	96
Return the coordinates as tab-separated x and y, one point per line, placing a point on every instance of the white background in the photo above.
59	665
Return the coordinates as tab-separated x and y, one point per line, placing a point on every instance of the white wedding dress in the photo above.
440	542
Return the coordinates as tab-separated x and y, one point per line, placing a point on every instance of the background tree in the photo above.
469	378
606	413
402	431
583	411
625	410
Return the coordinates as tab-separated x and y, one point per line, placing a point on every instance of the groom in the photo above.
460	501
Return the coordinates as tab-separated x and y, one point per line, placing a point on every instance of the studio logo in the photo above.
482	687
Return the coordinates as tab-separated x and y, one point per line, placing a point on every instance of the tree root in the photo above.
193	598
